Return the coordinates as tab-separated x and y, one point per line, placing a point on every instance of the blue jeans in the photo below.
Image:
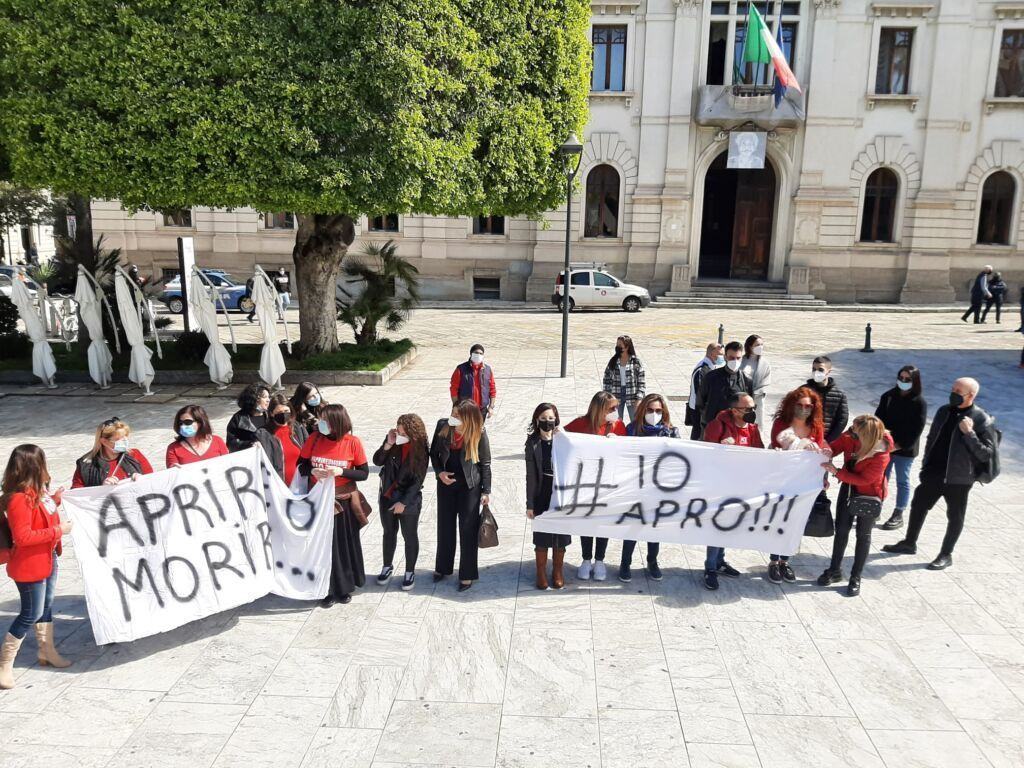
36	603
714	559
625	409
903	465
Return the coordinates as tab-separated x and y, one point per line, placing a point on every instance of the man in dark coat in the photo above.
719	385
835	408
979	292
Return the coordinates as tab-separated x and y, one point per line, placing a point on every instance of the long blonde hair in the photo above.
104	432
870	431
471	428
599	405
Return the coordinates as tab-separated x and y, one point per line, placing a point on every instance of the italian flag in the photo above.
760	48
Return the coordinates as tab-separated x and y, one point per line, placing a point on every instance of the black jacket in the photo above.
407	478
478	476
904	416
966	451
534	470
243	432
977	291
715	390
836	411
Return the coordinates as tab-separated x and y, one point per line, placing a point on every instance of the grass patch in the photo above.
349	357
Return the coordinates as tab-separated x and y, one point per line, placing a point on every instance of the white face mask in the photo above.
820	376
401	439
454	422
121	446
758	350
476	358
652	418
611	417
732	365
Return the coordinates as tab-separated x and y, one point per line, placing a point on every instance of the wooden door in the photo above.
752	224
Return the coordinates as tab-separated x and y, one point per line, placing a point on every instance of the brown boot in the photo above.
8	651
48	656
557	559
542	567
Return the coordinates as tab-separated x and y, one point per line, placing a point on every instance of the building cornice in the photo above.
1009	11
614	7
902	10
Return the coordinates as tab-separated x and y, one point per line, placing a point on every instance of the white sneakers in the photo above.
596	569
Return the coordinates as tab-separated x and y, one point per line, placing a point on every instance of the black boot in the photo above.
853	588
901	548
940	563
894	522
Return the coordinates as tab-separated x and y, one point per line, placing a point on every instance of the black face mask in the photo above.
956	399
619	351
546	426
750	417
281	418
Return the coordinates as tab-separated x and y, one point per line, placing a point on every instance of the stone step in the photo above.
738	301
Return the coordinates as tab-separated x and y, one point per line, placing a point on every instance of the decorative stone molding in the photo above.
1002	102
673	228
902	10
807	230
826	7
689	7
1000	154
614	7
1009	11
609	148
626	97
890	151
907	100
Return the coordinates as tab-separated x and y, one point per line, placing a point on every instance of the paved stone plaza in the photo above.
925	669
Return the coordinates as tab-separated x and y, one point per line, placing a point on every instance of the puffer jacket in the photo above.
835	409
966	451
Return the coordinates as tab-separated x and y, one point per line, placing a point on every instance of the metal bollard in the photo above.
867	339
721	333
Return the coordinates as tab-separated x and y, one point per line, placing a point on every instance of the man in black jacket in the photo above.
720	384
979	292
960	443
835	409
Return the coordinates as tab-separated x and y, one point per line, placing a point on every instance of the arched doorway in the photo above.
736	225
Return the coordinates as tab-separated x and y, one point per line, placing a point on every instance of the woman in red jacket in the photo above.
112	459
601	418
36	530
865	447
195	439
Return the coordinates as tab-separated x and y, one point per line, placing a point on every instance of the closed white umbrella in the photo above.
141	369
271	360
205	311
90	308
43	364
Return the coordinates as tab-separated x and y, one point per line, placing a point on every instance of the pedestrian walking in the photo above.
759	371
904	412
248	295
714	357
996	292
624	376
979	292
540	477
282	284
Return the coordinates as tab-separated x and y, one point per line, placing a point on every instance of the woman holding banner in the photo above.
333	453
799	425
460	454
195	440
290	433
540	476
601	418
652	420
865	447
36	531
112	459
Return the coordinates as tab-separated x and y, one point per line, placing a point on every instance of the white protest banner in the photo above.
687	492
191	541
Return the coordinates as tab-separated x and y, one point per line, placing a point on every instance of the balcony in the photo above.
726	106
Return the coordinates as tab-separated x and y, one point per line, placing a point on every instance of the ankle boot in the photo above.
48	655
894	522
8	651
557	560
542	567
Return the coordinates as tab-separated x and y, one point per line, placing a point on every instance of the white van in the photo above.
592	286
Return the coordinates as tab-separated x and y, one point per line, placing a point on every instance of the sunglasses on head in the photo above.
112	421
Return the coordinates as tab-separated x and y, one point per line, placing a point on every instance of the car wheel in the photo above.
631	304
572	304
176	305
245	304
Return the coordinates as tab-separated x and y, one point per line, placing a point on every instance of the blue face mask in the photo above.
719	361
188	430
313	401
121	446
904	385
323	427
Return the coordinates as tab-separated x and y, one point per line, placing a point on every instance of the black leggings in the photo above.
844	522
587	545
409	522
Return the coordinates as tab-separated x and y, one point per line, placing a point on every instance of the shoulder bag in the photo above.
864	506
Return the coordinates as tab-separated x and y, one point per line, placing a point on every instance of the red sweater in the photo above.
179	453
582	424
867	477
817	437
35	530
724	425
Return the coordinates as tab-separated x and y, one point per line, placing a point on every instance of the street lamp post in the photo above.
571	153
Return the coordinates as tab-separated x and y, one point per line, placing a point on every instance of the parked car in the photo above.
8	274
232	293
592	286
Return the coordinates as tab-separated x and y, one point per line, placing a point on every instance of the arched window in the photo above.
602	213
996	209
878	221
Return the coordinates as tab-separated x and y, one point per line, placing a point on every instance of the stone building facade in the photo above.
893	176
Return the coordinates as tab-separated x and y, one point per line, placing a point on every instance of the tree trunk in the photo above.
321	242
81	207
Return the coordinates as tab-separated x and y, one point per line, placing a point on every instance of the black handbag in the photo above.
864	506
820	524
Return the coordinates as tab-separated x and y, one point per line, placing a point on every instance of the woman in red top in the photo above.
334	454
112	459
36	530
601	418
799	425
195	441
290	433
865	447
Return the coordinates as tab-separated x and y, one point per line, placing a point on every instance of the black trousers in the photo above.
929	491
844	522
458	508
997	301
409	522
628	547
587	546
974	309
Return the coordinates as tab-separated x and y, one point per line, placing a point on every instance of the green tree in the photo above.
372	281
327	108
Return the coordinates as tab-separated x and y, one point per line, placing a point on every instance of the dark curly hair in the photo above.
250	396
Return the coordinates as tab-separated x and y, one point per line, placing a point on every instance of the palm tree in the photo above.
370	297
